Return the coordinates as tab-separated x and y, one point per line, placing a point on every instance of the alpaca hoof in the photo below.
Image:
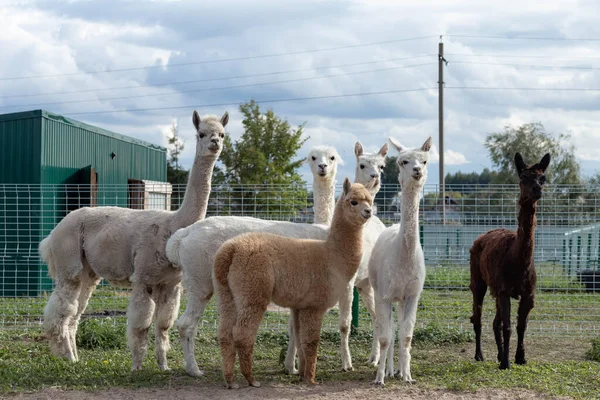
347	369
291	371
478	357
504	365
136	368
164	368
255	384
378	382
373	360
197	373
397	374
233	385
410	380
521	361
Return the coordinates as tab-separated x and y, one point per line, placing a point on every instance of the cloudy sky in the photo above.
169	57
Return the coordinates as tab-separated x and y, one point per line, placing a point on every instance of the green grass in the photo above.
441	359
594	352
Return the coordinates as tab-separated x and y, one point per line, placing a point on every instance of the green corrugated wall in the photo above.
38	147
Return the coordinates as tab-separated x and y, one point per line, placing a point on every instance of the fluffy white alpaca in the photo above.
127	248
368	166
397	267
194	248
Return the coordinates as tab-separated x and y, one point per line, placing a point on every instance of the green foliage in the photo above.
264	153
594	353
262	161
390	186
473	178
532	141
433	334
101	333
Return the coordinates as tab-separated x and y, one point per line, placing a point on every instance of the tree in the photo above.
389	184
532	141
259	167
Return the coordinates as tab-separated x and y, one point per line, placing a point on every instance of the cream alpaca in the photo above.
397	266
306	275
127	248
194	248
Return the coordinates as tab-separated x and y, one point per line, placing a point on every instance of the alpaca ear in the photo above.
427	145
339	160
347	186
519	163
545	162
358	149
196	120
384	150
225	119
396	144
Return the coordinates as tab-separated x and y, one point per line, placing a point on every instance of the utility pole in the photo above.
441	61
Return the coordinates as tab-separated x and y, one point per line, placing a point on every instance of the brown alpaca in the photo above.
503	260
308	276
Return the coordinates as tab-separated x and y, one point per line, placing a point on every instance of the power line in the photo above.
527	65
523	88
549	57
217	88
562	39
219	79
258	101
220	60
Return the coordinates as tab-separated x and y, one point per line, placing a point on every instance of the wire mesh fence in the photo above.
566	253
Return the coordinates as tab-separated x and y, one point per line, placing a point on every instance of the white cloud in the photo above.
451	157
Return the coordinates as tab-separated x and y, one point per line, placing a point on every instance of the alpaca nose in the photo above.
215	140
417	169
322	166
374	175
367	213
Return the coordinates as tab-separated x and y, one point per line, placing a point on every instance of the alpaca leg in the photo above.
167	306
89	281
478	288
368	297
505	304
405	340
399	371
290	357
498	330
297	335
311	322
245	330
344	324
139	318
385	337
525	306
227	320
187	325
58	314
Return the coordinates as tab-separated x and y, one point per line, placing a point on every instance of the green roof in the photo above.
79	124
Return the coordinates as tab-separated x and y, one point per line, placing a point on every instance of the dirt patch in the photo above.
334	391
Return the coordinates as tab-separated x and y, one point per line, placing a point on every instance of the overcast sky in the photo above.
366	54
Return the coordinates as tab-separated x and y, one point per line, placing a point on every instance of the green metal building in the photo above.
50	165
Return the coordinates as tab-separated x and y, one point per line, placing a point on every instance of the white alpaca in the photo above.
368	166
193	249
127	248
397	267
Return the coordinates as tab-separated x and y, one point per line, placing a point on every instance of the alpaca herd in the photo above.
308	268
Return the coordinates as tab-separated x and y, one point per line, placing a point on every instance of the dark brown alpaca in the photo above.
503	260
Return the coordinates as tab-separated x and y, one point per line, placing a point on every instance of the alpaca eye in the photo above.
424	162
542	180
314	158
362	166
354	202
404	162
222	135
381	167
201	135
332	158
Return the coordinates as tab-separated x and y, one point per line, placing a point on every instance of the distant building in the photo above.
50	165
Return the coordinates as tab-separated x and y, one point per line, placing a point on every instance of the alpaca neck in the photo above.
195	201
344	242
526	230
409	224
323	200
